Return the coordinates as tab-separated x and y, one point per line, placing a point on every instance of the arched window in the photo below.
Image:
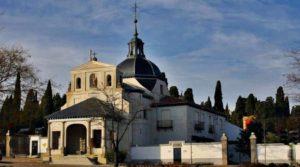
78	83
93	81
108	80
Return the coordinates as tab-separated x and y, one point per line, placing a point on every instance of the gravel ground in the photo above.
24	162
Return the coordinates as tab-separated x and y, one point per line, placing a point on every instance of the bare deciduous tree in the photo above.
12	61
117	120
293	78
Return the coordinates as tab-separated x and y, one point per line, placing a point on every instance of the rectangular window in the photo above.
55	139
161	90
145	114
97	138
164	120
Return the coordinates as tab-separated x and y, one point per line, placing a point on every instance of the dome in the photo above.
139	67
145	71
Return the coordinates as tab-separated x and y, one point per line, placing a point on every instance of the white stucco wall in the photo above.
196	115
273	153
44	144
178	116
148	152
202	153
297	152
199	152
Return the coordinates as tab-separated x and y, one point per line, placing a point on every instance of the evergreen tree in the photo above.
46	106
202	104
174	91
265	112
31	107
4	115
287	106
208	104
64	99
280	106
238	113
17	93
218	98
16	106
8	112
227	111
188	95
270	107
57	102
250	105
296	111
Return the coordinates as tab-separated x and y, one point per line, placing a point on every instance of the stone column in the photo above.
88	142
292	155
62	149
224	141
253	148
7	143
101	157
49	141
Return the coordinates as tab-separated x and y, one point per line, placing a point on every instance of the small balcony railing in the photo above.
164	124
199	126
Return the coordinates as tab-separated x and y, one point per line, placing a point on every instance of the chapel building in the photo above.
136	85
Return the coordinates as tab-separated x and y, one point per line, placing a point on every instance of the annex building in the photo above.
138	88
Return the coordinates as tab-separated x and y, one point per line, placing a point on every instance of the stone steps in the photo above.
72	160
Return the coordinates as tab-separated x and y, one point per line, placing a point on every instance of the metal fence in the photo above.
19	145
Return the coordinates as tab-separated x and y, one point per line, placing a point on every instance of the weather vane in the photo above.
135	19
92	55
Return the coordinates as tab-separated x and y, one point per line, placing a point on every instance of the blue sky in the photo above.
240	42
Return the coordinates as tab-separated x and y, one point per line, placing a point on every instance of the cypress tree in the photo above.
57	102
64	99
280	106
4	115
238	113
287	106
270	106
174	91
17	93
10	117
250	104
208	104
46	106
218	98
188	95
31	107
227	111
16	105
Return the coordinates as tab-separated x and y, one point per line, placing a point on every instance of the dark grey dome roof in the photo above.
139	67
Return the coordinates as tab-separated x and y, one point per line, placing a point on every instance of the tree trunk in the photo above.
116	156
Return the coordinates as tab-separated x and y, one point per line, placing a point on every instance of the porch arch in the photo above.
76	140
